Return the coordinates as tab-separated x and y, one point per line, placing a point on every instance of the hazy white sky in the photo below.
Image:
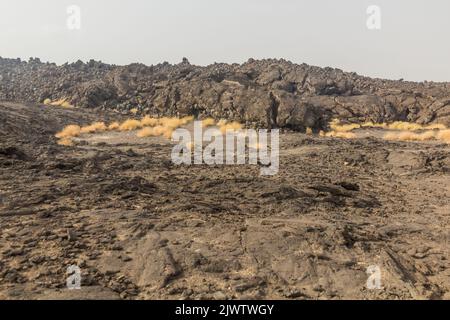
413	42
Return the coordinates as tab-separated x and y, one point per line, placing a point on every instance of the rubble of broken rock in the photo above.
140	227
262	93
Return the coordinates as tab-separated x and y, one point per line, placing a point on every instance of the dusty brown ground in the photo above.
142	228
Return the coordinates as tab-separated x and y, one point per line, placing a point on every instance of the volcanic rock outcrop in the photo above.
259	93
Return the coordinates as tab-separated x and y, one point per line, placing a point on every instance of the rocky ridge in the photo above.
259	93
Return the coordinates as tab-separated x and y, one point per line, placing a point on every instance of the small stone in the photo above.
123	295
71	235
219	295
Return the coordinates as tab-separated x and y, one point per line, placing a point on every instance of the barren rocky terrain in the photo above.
263	93
140	227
